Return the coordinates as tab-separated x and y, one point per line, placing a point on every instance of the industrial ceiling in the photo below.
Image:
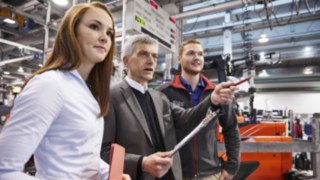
279	39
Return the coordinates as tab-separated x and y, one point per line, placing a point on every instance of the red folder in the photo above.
117	153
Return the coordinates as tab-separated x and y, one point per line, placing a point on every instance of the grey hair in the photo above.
127	48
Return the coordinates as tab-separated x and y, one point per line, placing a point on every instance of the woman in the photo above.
58	115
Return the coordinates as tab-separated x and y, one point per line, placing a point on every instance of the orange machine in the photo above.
270	165
262	129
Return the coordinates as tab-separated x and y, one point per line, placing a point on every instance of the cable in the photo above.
308	7
290	18
265	2
298	5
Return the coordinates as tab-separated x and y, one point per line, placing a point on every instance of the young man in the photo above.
199	158
143	120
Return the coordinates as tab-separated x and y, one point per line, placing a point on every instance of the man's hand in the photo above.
225	175
157	164
223	93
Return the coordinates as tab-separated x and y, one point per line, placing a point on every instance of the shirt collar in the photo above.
134	84
185	84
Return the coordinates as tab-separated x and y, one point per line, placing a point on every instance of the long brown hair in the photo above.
68	55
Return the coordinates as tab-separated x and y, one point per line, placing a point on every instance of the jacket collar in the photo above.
176	83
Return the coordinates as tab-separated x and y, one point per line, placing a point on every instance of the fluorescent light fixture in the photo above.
263	73
20	69
60	2
307	71
9	21
118	39
16	89
307	49
6	72
263	38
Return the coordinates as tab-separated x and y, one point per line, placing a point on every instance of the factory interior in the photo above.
275	42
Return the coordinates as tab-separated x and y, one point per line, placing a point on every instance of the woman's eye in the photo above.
110	34
94	26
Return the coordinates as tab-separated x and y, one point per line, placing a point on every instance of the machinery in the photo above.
256	165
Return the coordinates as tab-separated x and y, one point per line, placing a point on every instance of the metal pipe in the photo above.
20	45
112	2
316	140
219	7
237	11
242	23
2	63
46	31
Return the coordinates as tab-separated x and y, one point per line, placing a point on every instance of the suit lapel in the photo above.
157	105
135	108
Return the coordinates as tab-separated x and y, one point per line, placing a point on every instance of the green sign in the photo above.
139	20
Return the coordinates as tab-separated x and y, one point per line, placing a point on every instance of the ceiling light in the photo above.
307	49
6	72
60	2
263	38
9	21
20	69
118	39
307	71
263	73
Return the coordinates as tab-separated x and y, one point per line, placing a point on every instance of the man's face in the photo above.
192	59
142	63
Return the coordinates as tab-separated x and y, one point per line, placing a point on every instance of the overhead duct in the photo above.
217	8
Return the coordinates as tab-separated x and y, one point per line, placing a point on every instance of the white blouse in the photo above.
56	118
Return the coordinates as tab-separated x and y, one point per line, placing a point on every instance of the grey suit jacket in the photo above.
127	126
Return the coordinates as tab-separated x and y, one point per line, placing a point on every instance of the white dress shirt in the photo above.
134	84
56	118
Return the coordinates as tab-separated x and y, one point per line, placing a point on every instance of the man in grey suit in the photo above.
143	121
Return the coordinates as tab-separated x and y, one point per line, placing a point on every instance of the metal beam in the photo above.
217	8
290	89
10	30
4	62
275	147
20	45
247	22
237	11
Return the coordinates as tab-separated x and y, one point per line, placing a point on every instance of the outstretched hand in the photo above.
157	164
223	93
225	175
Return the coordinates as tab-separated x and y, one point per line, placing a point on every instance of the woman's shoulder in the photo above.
48	80
52	76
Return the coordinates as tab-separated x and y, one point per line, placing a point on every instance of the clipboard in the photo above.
209	116
117	154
